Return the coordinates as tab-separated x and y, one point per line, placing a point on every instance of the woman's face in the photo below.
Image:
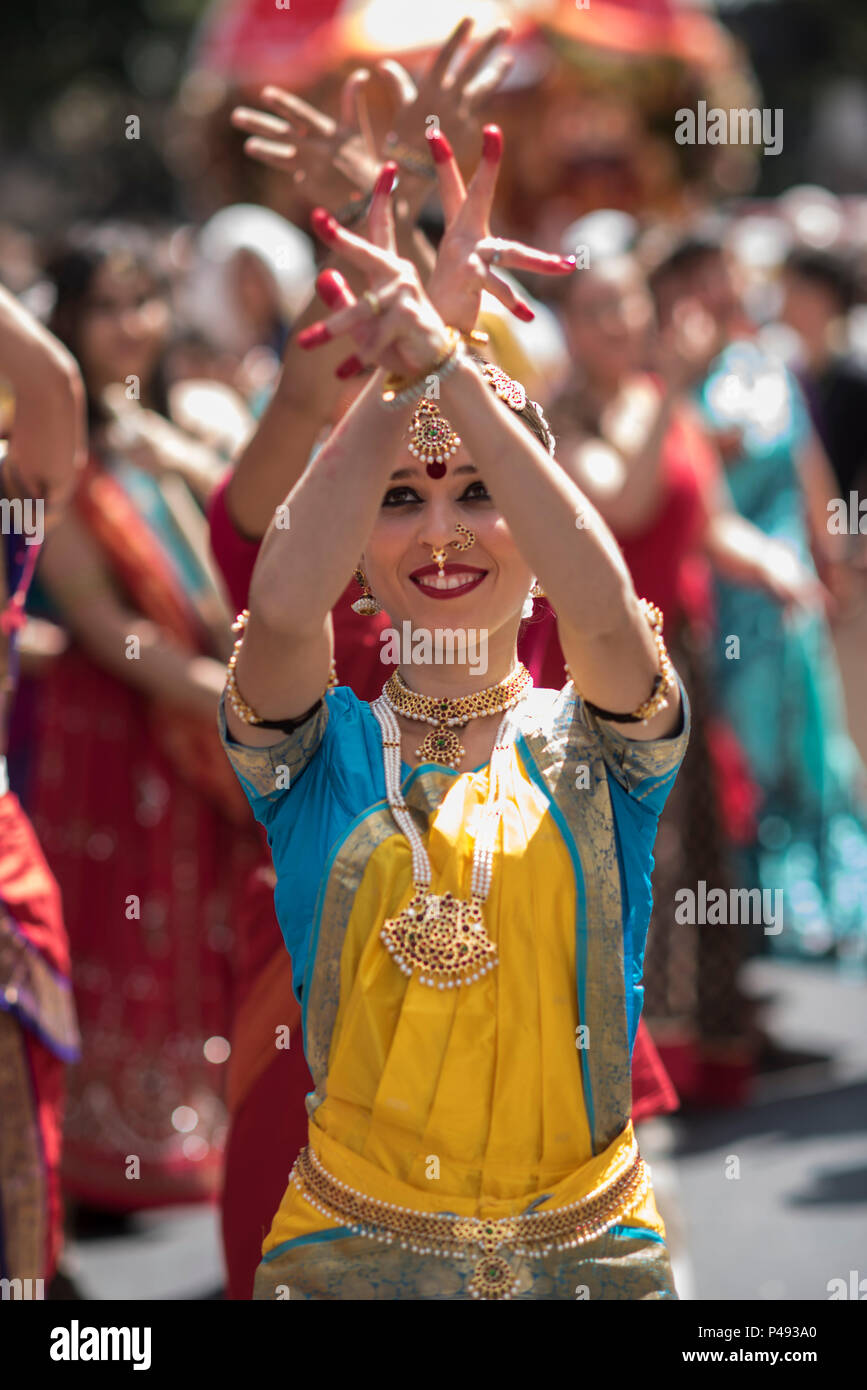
124	326
809	308
483	587
608	316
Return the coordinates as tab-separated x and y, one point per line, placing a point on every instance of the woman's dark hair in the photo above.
71	267
831	270
680	256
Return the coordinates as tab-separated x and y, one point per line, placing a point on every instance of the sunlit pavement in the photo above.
796	1216
793	1220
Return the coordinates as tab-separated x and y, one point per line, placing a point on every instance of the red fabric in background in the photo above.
30	893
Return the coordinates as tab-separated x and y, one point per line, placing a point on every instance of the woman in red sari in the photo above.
635	446
145	835
38	1031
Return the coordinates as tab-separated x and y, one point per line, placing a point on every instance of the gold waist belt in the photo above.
449	1236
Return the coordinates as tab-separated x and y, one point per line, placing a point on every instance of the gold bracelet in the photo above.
476	338
398	390
410	160
664	680
245	712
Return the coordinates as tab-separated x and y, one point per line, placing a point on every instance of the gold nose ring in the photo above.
438	553
463	544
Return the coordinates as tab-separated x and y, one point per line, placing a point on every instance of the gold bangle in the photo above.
398	390
240	707
410	160
476	338
663	682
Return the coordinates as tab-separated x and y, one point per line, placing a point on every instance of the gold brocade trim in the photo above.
589	816
29	988
23	1199
495	1242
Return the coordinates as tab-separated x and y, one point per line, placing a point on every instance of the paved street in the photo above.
794	1219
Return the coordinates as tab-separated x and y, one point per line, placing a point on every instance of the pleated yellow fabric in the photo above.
458	1092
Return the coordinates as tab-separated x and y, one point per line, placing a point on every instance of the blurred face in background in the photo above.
710	281
810	308
608	317
124	326
256	295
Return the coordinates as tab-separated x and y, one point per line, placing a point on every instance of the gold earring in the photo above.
537	591
368	605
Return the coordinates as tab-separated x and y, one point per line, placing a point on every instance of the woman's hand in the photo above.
467	251
454	94
329	160
393	324
146	439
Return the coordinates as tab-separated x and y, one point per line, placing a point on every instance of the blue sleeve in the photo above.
306	791
644	768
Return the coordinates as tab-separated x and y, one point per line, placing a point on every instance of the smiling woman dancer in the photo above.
463	874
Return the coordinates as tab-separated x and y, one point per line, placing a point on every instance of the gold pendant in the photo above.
441	937
493	1279
441	745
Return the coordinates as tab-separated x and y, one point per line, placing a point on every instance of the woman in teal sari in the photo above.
776	669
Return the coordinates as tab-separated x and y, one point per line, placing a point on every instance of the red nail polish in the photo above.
323	224
332	289
568	263
524	312
386	179
351	367
314	336
440	147
492	143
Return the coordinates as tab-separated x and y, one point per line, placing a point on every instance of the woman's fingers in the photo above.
451	184
474	63
260	123
334	291
483	185
359	315
488	81
268	152
376	263
441	63
299	112
380	218
403	88
350	95
501	289
516	256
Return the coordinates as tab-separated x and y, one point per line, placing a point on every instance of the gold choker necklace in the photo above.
442	744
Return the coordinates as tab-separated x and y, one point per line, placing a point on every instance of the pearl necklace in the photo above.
441	937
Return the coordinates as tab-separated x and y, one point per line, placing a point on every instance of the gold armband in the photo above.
245	712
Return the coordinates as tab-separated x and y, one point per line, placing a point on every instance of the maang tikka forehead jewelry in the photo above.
432	439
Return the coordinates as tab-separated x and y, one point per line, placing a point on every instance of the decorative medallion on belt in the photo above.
493	1277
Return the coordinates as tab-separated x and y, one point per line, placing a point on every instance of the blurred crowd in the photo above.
705	372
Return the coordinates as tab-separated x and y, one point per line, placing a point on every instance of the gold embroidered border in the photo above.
22	1174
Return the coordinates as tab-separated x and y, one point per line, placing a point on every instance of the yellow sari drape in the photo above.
467	1100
